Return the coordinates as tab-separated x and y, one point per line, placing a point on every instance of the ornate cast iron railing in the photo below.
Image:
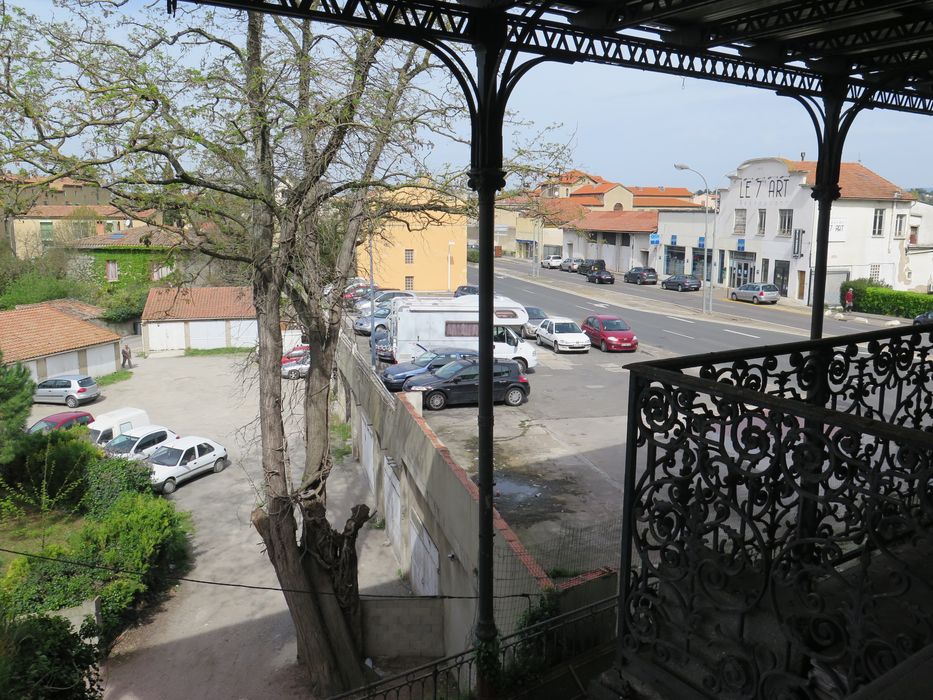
524	657
778	517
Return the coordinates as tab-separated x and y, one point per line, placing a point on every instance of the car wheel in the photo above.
734	297
603	347
638	281
381	328
436	400
168	486
522	365
612	282
294	374
756	301
220	465
71	402
556	347
514	397
680	288
538	338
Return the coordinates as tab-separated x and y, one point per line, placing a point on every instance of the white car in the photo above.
139	443
563	334
184	458
551	261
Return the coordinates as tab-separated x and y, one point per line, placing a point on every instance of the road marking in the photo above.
595	386
602	306
585	308
747	335
688	337
530	291
682	320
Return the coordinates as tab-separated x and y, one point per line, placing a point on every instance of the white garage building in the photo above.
49	342
199	318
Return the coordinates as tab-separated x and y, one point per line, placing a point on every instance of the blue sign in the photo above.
654	238
673	239
701	242
741	245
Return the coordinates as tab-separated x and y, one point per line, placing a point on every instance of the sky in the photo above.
631	126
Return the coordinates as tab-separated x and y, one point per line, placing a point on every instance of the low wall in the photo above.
395	627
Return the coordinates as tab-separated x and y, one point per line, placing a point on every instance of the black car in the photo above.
641	275
600	277
458	382
924	319
429	361
591	264
465	289
682	283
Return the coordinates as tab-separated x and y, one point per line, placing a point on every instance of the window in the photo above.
786	223
409	256
204	449
762	218
409	283
159	271
112	270
46	233
899	225
739	229
914	235
877	226
461	329
874	271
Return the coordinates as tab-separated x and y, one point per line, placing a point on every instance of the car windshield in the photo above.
381	312
650	271
424	359
43	426
769	288
615	324
535	312
450	369
566	328
121	444
166	456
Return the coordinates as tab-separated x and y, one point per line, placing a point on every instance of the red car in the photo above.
296	353
610	333
60	421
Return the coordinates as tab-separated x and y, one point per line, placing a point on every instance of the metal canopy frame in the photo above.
836	57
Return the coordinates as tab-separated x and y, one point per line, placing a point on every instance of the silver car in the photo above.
757	293
570	264
366	323
70	389
297	369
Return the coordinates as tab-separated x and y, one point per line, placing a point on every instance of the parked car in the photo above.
682	283
600	277
358	291
562	334
184	458
590	264
139	443
458	383
921	320
296	353
570	264
69	389
363	306
297	368
378	319
535	316
61	421
551	261
641	275
465	289
757	293
394	377
383	344
610	333
109	425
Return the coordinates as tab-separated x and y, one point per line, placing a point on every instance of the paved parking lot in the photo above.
209	641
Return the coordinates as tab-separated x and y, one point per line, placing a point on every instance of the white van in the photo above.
108	425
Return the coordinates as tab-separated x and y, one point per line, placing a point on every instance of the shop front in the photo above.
675	259
741	268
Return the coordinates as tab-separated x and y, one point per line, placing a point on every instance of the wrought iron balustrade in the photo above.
778	517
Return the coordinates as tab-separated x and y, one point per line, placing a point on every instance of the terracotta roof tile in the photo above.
660	191
618	221
665	202
561	211
72	307
599	188
138	236
855	181
198	303
587	200
39	331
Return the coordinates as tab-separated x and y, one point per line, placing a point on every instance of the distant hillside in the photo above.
924	194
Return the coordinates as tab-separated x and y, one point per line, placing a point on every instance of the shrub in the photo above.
108	479
124	303
33	287
877	298
473	255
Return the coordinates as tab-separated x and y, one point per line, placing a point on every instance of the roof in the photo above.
40	330
618	221
72	307
586	200
598	188
855	181
63	211
562	211
198	303
660	191
138	236
665	202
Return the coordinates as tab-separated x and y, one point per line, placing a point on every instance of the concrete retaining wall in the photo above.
403	627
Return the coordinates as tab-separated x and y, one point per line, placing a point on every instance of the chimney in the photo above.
803	155
100	228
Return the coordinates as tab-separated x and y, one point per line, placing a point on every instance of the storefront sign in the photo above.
654	239
763	187
673	239
740	246
701	242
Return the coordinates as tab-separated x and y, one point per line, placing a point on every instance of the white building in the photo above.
199	317
767	222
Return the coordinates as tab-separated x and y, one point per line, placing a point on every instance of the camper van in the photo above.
108	425
421	324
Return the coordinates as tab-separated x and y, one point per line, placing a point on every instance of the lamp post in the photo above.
709	247
372	308
450	262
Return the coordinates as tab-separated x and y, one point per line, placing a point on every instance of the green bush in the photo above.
33	287
41	657
124	303
473	255
877	298
108	479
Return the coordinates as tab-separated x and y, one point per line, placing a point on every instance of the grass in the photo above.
119	376
194	352
559	572
339	440
30	533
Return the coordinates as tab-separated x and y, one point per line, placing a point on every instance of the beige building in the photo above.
422	252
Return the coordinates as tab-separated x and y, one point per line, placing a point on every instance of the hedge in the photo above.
874	298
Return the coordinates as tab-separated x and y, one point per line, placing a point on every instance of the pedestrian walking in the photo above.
850	299
127	357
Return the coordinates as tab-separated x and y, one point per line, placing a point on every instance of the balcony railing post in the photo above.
636	386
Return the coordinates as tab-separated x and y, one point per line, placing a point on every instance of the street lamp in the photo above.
450	261
709	246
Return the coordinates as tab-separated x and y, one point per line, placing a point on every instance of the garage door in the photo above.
101	359
424	559
244	334
66	363
834	280
205	335
166	336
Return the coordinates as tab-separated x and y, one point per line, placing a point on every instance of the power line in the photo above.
250	586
